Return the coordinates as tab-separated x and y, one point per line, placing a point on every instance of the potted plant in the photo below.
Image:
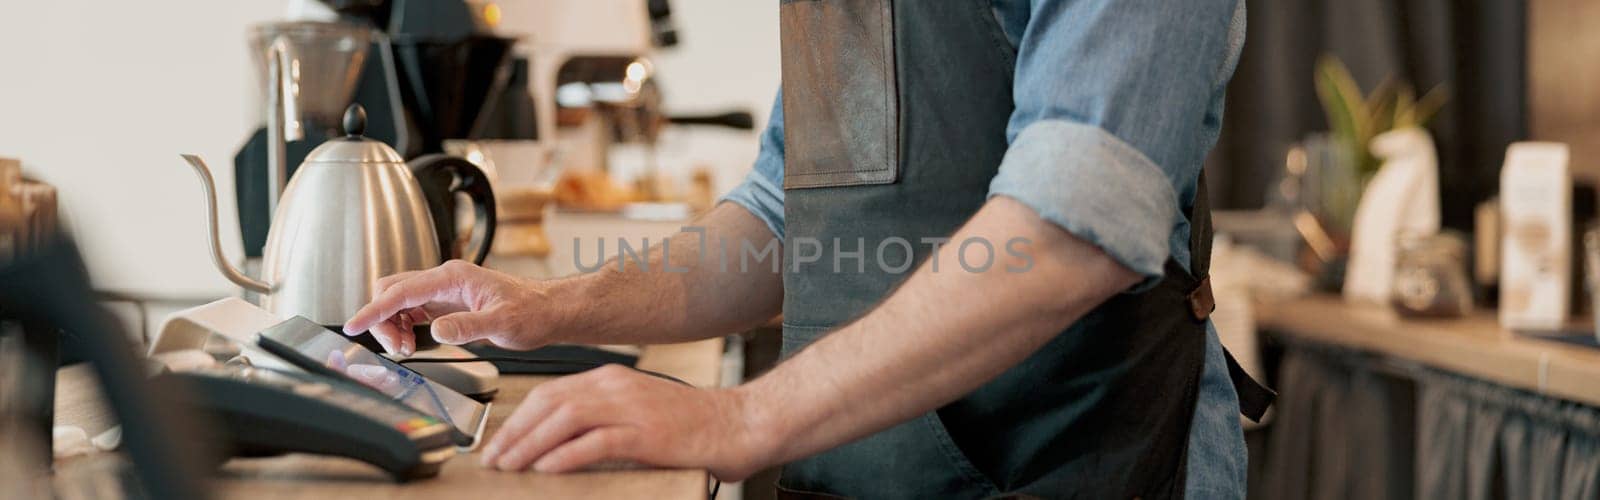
1333	169
1353	120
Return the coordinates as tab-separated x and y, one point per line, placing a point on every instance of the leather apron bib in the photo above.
895	118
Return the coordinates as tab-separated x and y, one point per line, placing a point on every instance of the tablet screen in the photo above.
315	349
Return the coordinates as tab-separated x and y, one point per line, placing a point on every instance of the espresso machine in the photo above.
597	88
424	70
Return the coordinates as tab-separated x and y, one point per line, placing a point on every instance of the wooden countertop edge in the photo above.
1475	346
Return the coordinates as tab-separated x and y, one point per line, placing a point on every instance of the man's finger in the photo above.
567	421
596	446
535	407
462	327
387	281
413	292
387	336
406	324
521	420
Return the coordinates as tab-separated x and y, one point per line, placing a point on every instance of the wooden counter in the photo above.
1475	346
299	476
308	476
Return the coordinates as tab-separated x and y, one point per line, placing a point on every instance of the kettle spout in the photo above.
232	273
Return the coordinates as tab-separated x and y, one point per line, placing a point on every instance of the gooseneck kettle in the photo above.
353	212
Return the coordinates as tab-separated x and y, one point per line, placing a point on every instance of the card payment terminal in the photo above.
264	412
310	347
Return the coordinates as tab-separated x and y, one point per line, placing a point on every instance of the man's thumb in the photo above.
463	327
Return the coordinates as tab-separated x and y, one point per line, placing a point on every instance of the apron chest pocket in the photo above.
840	104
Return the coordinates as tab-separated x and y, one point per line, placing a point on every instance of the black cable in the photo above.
715	487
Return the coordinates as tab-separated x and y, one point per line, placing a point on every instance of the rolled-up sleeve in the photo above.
1117	103
761	192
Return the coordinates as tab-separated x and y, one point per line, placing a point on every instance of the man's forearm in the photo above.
696	297
938	337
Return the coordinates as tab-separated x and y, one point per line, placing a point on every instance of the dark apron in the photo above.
895	117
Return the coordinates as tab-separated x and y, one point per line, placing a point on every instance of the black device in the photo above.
513	117
559	359
48	293
265	412
311	347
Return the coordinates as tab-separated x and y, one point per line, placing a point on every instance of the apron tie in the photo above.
1254	398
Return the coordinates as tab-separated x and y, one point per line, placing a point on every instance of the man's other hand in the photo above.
615	414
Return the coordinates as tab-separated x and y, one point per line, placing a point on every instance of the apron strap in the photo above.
1200	232
1254	398
1201	301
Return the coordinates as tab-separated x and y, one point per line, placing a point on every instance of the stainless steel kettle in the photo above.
353	212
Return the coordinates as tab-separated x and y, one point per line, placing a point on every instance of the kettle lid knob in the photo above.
355	120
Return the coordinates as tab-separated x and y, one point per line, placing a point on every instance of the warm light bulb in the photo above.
636	71
491	14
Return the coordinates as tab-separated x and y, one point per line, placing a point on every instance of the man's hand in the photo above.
614	414
465	303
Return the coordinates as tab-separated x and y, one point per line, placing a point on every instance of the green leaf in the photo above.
1379	107
1339	96
1380	112
1405	102
1430	103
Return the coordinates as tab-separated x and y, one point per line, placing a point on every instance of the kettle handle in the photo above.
441	177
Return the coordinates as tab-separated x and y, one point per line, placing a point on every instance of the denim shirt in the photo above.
1117	104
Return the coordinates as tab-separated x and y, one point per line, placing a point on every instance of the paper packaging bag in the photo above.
1536	253
1403	199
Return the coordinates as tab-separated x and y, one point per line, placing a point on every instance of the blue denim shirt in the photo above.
1117	104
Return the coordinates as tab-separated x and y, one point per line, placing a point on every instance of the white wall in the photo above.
727	57
99	97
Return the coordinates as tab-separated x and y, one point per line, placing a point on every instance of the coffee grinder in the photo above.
424	70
